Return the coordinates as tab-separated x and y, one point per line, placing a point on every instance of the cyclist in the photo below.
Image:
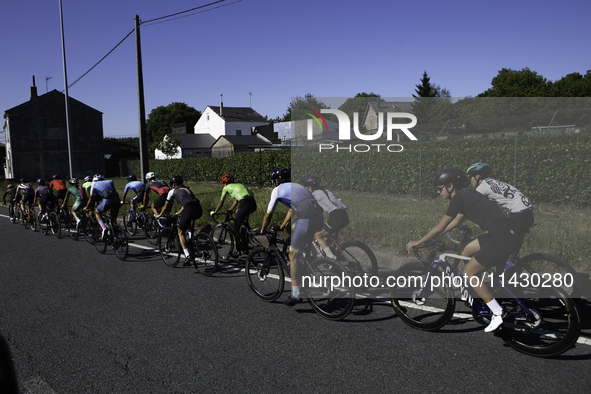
105	190
160	187
59	186
44	197
243	198
501	239
308	220
137	187
508	197
25	193
87	184
337	214
11	192
190	209
79	195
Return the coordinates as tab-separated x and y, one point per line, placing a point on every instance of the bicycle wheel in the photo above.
88	229
205	253
43	223
100	242
555	328
120	244
24	218
330	302
429	312
169	247
18	214
129	223
545	263
151	229
55	225
359	258
264	274
223	236
33	220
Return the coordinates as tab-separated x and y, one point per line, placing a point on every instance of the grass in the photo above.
388	222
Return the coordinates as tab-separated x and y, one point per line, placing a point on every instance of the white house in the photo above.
223	121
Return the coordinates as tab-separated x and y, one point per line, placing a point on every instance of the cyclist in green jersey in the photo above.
80	199
243	198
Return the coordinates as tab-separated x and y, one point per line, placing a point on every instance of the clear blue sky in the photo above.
278	49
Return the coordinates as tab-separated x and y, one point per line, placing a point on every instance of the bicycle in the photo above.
223	235
356	256
538	323
86	226
203	252
114	235
49	222
27	217
540	263
265	271
144	220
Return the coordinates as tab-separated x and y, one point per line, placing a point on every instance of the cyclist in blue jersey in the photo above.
307	218
502	237
105	190
137	187
190	210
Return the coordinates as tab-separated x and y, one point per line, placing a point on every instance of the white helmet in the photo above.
98	177
150	175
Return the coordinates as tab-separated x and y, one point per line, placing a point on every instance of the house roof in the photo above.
195	141
239	114
54	95
390	106
245	140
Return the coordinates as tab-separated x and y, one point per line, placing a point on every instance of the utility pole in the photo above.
144	159
66	91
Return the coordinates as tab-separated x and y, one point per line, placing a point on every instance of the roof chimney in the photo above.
221	104
33	89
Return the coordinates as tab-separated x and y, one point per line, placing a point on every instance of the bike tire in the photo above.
223	236
33	221
129	224
55	225
120	242
23	219
332	303
359	258
204	253
18	214
169	247
151	229
100	242
264	274
555	330
43	223
428	313
548	263
88	229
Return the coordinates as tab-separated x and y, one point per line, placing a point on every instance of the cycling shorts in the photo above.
138	198
191	211
28	198
524	220
502	239
303	230
160	201
79	205
246	206
337	220
48	200
60	194
111	203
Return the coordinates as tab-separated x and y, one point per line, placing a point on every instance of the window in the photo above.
238	132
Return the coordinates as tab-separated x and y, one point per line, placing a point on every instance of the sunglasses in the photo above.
439	188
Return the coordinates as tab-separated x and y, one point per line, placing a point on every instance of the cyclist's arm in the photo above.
454	223
165	208
286	221
234	204
434	232
66	198
266	221
123	198
219	206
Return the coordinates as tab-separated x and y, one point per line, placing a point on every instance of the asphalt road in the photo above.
80	322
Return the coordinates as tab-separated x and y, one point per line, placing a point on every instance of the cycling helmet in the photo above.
481	169
176	179
10	186
88	178
312	181
150	176
98	177
73	181
228	178
41	182
55	176
23	180
450	175
131	178
281	173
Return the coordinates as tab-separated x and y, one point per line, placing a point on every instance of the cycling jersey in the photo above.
25	188
57	184
237	190
11	192
476	207
505	195
136	186
77	192
327	200
86	186
42	191
297	198
103	189
182	195
158	186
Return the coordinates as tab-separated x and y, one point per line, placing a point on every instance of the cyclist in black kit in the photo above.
190	209
501	239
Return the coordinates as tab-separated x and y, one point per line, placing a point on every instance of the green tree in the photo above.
358	104
518	83
572	85
169	145
161	119
297	108
425	99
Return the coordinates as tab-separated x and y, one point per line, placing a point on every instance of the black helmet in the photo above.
481	169
176	179
55	176
312	181
450	175
41	182
281	173
131	178
73	181
23	180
